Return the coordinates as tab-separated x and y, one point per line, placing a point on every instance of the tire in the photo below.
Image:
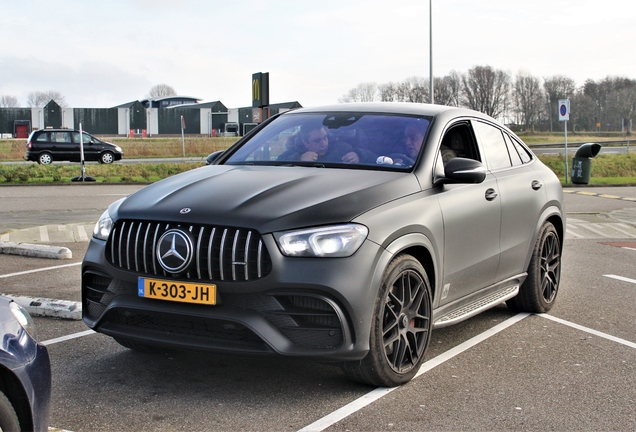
401	327
9	421
106	158
45	158
538	292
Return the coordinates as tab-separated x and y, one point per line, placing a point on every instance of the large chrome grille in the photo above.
220	253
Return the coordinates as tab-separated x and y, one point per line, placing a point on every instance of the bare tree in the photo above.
7	101
557	87
486	90
364	92
448	89
528	96
39	99
415	89
388	92
161	90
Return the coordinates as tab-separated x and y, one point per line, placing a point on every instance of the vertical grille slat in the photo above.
137	247
128	245
246	255
234	243
222	249
210	243
121	237
259	270
220	253
145	249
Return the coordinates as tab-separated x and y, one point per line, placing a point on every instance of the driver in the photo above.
312	145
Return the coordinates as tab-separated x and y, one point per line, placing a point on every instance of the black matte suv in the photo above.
46	145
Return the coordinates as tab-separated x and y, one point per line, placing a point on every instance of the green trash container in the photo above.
582	162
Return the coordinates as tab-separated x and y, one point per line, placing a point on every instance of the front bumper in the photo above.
308	307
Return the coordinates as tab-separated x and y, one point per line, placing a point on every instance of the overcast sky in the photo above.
105	53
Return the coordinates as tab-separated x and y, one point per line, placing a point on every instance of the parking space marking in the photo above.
82	233
340	414
621	278
38	270
68	337
378	393
600	195
44	234
589	330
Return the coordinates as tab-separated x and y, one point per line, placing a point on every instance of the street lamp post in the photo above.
430	15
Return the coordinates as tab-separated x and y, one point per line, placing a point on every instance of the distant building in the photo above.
168	101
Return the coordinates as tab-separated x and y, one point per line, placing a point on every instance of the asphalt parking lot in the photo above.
573	369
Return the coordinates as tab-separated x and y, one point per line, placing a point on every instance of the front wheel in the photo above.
401	326
106	158
8	419
539	290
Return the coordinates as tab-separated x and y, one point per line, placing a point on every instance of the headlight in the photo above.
24	319
331	241
118	149
103	226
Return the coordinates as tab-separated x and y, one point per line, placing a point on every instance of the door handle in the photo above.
536	184
491	194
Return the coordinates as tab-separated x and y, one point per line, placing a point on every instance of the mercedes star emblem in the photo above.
185	210
174	251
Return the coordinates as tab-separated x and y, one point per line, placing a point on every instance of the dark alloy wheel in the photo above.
539	290
401	329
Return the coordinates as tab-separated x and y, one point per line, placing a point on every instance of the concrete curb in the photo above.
49	307
35	250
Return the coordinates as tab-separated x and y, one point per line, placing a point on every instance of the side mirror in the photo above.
212	157
462	170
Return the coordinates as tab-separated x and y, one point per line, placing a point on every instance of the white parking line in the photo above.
67	337
589	330
347	410
621	278
44	234
38	270
372	396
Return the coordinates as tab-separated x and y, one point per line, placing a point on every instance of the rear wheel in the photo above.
45	158
539	290
9	421
106	158
401	327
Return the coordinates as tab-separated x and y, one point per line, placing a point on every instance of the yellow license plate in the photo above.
185	292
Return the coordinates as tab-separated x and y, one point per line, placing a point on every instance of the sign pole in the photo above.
183	125
566	152
564	116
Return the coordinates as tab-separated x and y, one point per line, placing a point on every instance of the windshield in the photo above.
336	139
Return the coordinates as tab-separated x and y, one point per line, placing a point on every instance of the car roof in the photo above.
57	130
408	108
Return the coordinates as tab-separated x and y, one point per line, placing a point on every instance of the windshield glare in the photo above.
386	141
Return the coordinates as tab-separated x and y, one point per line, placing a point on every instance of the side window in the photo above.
459	141
43	137
61	137
514	156
494	145
523	152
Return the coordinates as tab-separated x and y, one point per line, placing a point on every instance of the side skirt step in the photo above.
477	307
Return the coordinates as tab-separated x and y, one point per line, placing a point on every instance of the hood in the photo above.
266	198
